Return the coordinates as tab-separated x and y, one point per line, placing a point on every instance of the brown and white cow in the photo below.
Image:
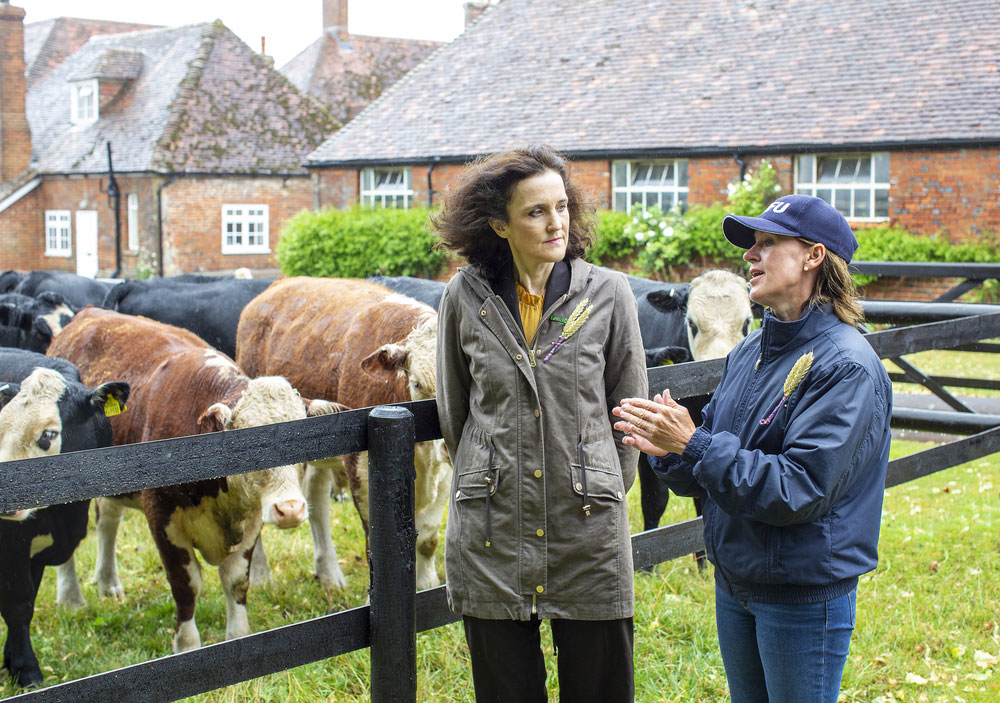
181	386
359	344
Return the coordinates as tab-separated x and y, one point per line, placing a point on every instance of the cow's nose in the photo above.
289	513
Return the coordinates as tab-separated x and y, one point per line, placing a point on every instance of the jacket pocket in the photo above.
595	476
477	480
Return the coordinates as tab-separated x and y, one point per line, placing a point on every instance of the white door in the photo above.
86	243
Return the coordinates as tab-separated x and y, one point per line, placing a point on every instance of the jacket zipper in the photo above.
490	488
583	473
534	604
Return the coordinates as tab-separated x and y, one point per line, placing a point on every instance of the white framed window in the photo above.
245	229
132	199
58	233
856	184
386	187
83	106
661	183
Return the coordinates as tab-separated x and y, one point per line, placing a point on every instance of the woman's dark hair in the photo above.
483	190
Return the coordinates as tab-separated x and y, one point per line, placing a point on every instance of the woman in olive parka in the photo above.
535	348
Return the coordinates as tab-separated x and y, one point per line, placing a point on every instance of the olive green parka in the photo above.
538	522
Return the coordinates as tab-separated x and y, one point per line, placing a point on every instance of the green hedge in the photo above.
359	242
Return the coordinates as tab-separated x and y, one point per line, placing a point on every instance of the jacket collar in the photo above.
777	336
568	277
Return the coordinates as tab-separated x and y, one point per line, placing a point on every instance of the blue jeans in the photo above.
779	653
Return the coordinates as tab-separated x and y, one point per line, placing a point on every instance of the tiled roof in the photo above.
113	65
662	76
48	43
348	73
203	102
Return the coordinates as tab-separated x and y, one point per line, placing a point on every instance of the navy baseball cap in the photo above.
803	216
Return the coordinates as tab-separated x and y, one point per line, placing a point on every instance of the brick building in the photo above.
206	140
891	111
347	71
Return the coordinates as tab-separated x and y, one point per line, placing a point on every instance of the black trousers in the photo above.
594	660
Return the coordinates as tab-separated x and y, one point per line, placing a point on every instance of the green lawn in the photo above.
928	617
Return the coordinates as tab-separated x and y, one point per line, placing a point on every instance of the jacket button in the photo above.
579	486
458	494
518	357
619	495
540	533
538	412
482	313
538	473
540	589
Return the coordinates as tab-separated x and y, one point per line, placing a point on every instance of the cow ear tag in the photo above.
112	408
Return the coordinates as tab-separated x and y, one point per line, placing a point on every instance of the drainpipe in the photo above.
115	202
430	188
743	165
159	222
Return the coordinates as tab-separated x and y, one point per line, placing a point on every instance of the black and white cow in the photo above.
46	410
31	323
78	291
209	308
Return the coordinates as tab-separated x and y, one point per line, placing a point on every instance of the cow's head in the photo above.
47	414
413	358
718	314
266	400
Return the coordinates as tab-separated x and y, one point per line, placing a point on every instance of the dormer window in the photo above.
83	102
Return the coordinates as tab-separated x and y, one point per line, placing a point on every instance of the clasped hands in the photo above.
658	426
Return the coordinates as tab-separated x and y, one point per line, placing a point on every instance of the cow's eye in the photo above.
46	439
416	385
692	328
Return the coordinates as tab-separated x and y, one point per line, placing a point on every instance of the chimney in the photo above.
15	138
473	10
335	17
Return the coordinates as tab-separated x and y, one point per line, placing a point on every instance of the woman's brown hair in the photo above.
835	287
483	190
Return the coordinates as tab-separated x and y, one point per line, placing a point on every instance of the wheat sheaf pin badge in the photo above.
573	323
792	381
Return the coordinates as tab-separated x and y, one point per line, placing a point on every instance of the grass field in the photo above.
928	617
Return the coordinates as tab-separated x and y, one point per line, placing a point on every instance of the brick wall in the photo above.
15	138
192	219
337	188
954	192
23	242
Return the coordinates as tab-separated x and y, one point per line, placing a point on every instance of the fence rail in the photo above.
388	433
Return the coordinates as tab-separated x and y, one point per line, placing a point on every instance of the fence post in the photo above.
392	558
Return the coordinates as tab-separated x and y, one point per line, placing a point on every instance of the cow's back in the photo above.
316	331
174	375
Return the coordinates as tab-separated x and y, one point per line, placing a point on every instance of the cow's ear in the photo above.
216	418
54	299
109	398
7	392
669	299
321	407
757	310
667	355
388	358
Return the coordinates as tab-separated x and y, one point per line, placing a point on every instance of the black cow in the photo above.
45	410
9	280
31	323
210	309
79	291
425	290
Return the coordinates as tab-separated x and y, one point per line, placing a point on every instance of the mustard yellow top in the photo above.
530	307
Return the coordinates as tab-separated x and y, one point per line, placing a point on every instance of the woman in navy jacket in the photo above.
791	459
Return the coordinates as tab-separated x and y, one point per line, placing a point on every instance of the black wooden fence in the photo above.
396	613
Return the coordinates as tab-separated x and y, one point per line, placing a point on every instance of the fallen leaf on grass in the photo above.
880	661
984	659
915	678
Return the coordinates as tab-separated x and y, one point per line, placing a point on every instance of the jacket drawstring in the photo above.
583	474
490	487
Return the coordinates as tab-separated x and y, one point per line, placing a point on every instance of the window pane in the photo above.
621	202
862	203
805	163
865	170
635	198
682	173
843	202
682	199
826	194
881	168
640	174
827	170
668	175
620	174
881	202
656	173
848	167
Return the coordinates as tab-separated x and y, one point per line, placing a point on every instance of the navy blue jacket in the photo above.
793	506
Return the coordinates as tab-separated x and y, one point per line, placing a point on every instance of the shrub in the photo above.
359	242
893	244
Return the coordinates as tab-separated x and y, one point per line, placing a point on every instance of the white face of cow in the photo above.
30	425
267	400
421	350
718	314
